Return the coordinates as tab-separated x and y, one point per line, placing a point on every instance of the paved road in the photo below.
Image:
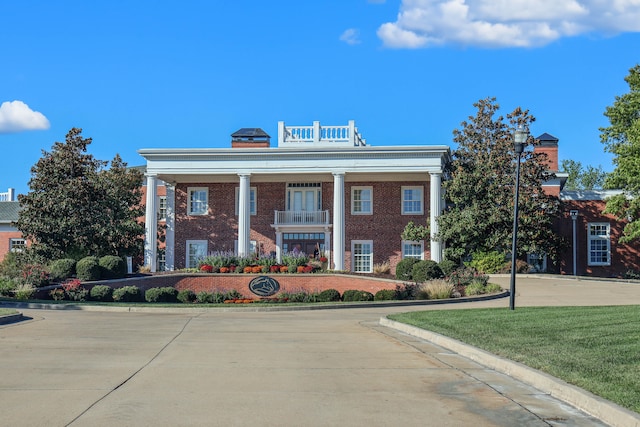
298	368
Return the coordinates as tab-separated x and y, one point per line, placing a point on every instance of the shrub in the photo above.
164	294
329	295
24	291
57	294
426	270
406	291
298	296
101	293
487	262
74	290
186	296
34	274
404	269
88	268
385	295
447	266
62	269
112	267
7	286
127	294
467	275
631	274
474	288
356	295
521	267
231	295
493	288
204	297
436	289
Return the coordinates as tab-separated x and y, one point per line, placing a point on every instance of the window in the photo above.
412	201
196	250
362	254
599	241
361	200
253	247
162	260
304	196
252	200
17	245
413	249
198	201
162	208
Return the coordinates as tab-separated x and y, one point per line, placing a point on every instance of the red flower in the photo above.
206	268
323	259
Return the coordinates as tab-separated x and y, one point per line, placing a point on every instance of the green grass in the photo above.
594	348
7	311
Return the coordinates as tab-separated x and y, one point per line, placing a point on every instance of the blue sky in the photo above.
153	74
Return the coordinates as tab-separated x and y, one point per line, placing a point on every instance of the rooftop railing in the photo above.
343	136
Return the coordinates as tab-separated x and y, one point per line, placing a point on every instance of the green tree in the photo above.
622	139
480	190
75	207
583	178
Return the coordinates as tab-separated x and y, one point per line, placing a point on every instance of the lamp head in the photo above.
520	138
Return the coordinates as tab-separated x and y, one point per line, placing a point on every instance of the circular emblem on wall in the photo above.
264	286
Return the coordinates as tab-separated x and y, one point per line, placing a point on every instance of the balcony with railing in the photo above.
330	136
301	217
8	196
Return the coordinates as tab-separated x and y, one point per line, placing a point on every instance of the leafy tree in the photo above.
583	178
76	207
622	139
480	191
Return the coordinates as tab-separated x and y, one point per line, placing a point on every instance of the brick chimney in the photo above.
549	145
250	138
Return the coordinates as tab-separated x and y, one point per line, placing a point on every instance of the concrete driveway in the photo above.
294	368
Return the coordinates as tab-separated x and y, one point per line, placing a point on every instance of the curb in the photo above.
604	410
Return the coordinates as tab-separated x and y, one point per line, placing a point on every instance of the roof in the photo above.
9	212
547	139
249	133
588	194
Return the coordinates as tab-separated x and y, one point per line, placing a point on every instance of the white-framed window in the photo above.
162	208
198	203
162	260
362	256
253	247
361	200
599	243
196	250
304	196
17	245
412	249
412	200
253	193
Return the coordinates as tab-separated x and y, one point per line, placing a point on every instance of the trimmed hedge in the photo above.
328	295
127	294
385	295
164	294
88	268
62	269
357	295
404	269
113	267
426	270
101	293
186	296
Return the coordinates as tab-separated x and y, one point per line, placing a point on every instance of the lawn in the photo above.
595	348
7	311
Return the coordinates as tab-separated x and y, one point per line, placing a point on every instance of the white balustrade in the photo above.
346	136
8	196
301	217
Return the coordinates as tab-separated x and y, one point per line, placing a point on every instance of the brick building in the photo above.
321	187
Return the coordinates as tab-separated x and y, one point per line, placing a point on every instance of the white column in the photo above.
338	221
170	231
435	197
151	224
278	246
244	214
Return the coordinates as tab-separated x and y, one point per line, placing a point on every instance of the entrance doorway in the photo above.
303	242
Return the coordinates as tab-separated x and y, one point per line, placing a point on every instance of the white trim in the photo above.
203	253
599	238
252	191
190	191
362	211
162	208
17	244
369	255
420	189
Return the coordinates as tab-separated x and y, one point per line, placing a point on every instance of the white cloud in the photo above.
350	36
16	116
505	23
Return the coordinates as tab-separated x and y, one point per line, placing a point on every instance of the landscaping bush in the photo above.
521	267
112	267
62	269
204	297
382	268
127	294
465	276
487	262
101	293
404	269
164	294
7	286
231	295
74	290
299	296
34	274
406	291
435	289
474	288
447	266
356	295
24	291
329	295
88	268
426	270
493	288
186	296
385	295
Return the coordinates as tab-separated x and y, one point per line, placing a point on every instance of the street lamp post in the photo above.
574	217
519	141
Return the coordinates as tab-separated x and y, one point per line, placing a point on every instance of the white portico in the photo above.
293	179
